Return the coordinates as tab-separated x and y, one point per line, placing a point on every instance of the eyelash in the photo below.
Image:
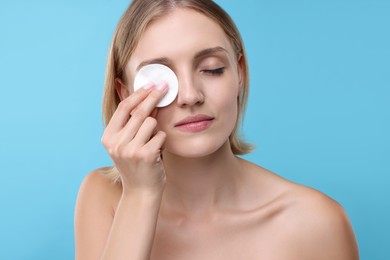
215	72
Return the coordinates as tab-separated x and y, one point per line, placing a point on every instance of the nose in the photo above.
190	92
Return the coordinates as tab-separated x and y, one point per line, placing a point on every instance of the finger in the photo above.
122	113
145	132
144	110
150	102
156	142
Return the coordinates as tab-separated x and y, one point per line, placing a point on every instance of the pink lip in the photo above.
195	123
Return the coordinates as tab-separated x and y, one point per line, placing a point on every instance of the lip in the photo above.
195	123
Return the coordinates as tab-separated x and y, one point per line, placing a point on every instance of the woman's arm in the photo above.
94	214
135	149
133	228
106	229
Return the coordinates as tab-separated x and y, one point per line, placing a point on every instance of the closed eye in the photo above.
218	71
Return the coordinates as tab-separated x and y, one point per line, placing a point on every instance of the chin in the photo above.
194	147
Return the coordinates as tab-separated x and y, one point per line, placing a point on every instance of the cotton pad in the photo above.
158	73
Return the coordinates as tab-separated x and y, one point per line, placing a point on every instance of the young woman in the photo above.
178	190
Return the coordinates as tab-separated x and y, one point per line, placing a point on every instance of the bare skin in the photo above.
275	220
200	201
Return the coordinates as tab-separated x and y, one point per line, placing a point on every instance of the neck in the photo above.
199	185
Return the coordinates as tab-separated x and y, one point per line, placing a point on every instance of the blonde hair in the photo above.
128	32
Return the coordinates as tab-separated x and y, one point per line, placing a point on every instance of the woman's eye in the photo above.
218	71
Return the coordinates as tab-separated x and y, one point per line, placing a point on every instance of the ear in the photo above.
240	70
121	89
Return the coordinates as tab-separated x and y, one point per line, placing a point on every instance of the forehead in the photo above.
178	35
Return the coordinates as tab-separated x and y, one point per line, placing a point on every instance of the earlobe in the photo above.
121	89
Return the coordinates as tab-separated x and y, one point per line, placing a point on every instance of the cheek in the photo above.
163	117
225	96
225	88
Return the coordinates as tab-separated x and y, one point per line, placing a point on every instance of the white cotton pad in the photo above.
158	73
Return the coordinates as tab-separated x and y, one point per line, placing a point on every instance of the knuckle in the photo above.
124	105
130	154
145	156
139	113
111	151
155	94
105	140
112	148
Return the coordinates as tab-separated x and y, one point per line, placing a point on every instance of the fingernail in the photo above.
148	86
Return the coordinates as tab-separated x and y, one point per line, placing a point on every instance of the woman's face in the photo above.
204	113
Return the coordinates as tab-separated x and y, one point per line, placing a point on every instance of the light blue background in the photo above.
318	112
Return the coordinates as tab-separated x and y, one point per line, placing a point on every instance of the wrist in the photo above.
143	195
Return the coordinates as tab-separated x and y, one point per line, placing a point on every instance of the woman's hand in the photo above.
133	143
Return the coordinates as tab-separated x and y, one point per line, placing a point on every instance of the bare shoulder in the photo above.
101	179
96	203
98	186
305	223
317	225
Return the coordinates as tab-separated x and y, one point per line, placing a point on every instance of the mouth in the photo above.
195	123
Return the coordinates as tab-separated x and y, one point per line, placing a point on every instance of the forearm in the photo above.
133	228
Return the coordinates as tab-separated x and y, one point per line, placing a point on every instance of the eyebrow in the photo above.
166	61
209	51
162	60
